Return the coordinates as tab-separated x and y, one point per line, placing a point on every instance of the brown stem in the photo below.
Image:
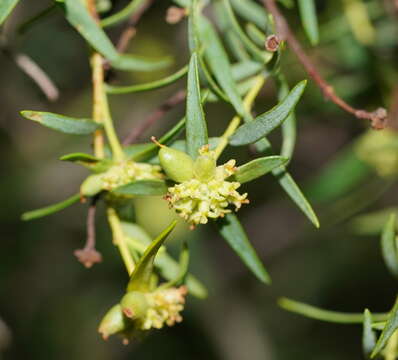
129	31
377	118
153	117
89	256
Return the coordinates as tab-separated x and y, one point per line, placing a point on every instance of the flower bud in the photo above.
113	322
92	185
134	305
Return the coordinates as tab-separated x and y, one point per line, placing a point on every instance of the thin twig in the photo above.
129	31
377	118
153	117
35	72
89	256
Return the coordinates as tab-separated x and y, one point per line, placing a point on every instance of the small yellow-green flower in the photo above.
208	193
127	171
139	312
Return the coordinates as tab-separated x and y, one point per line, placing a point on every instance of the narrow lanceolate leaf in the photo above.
263	124
62	123
143	187
79	17
6	7
388	245
89	161
251	12
368	335
389	329
258	167
232	231
325	315
128	11
309	20
80	157
147	86
141	277
294	192
48	210
219	64
196	128
138	239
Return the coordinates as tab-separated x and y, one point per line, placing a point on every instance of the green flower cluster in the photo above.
139	312
127	171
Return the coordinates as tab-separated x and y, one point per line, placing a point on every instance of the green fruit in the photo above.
177	165
113	322
134	304
205	167
92	185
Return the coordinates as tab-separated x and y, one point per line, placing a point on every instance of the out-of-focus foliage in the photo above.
52	306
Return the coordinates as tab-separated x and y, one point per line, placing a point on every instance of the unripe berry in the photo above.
177	165
92	185
134	304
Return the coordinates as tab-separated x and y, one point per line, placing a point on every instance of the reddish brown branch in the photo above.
153	117
129	31
89	256
377	118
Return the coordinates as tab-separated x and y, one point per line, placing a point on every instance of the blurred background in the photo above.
51	305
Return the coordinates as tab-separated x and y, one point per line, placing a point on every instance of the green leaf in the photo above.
141	277
259	55
218	62
293	190
258	167
196	128
48	210
6	6
124	14
147	86
89	161
289	125
142	187
232	231
309	19
325	315
263	124
138	239
62	123
368	335
244	69
79	17
252	12
389	329
388	245
80	157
